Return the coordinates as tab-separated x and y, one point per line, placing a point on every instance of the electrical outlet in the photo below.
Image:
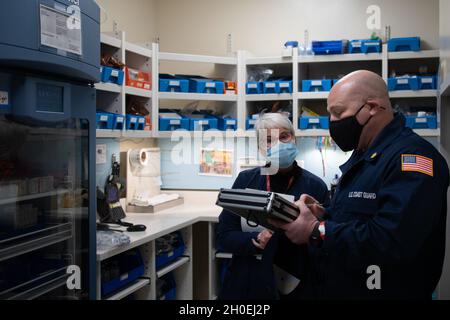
101	154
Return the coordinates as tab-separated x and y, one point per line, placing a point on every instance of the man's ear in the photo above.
374	107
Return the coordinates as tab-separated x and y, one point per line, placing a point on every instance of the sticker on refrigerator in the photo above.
4	98
61	30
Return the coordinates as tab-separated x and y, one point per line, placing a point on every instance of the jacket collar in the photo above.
381	142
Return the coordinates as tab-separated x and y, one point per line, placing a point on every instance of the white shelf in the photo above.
139	284
341	57
425	54
268	60
197	58
33	196
269	97
413	94
108	87
326	133
312	133
102	133
110	41
197	96
178	263
139	50
137	134
312	95
138	92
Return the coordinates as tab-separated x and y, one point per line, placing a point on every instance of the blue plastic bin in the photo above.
250	123
130	267
270	87
306	123
202	122
404	44
135	123
427	82
329	47
402	83
253	87
316	85
105	120
173	123
285	86
170	83
426	122
203	85
166	258
119	122
227	124
111	75
364	46
4	99
169	289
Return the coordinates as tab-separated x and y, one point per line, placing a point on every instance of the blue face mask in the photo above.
283	154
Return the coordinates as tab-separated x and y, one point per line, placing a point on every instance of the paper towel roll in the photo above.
139	158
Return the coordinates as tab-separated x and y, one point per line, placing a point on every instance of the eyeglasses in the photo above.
283	137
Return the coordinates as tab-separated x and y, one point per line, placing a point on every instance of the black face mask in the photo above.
347	132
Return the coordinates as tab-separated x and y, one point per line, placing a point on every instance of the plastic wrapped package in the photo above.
111	239
259	74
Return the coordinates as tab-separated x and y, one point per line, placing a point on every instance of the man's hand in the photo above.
263	239
313	205
299	231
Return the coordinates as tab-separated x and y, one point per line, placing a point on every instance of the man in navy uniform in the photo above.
383	235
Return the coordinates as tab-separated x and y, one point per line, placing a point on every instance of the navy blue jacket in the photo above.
250	278
389	211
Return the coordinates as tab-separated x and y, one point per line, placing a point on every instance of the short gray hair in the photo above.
268	121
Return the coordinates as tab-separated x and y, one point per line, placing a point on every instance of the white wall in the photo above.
262	26
136	17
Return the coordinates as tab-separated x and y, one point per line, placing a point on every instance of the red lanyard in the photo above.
269	189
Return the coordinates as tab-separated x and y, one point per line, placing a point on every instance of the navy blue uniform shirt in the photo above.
389	211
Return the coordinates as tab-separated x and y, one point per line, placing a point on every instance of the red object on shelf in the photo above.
138	79
230	87
148	123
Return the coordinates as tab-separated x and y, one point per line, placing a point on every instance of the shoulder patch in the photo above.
416	163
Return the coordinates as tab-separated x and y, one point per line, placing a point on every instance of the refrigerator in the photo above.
49	61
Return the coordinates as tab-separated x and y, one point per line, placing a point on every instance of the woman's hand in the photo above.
262	239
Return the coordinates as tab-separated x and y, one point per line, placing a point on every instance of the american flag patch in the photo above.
416	163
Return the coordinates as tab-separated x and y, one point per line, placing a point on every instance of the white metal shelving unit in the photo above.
236	68
145	287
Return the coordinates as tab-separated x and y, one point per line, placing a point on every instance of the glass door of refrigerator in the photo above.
44	208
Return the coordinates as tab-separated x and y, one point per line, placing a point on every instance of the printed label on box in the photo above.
356	44
426	80
231	122
142	120
316	83
270	85
4	98
203	122
174	83
284	85
252	85
175	122
421	120
402	81
372	44
104	118
115	73
124	277
119	119
314	121
210	85
147	86
133	120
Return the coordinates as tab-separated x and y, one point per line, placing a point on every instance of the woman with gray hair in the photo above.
255	250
